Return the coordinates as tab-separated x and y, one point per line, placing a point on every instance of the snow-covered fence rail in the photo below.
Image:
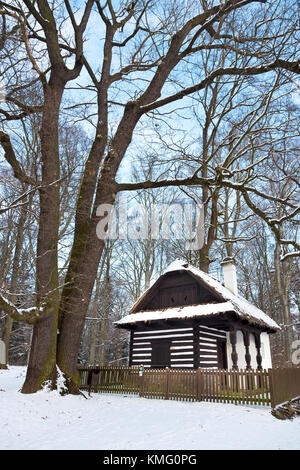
216	385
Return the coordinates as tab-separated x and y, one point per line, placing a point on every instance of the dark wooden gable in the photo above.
176	289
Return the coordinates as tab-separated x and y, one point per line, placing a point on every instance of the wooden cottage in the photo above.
188	319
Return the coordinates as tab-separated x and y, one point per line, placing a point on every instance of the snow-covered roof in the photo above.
188	311
229	302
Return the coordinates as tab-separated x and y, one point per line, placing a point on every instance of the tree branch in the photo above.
199	181
10	157
30	315
26	42
278	63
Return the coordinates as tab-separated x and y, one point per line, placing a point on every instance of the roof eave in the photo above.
252	322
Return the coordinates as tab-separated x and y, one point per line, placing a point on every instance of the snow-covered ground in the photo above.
47	421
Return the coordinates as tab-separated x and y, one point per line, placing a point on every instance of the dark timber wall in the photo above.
184	345
179	347
212	347
176	347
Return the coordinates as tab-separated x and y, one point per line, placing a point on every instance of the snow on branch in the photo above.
291	254
32	314
26	315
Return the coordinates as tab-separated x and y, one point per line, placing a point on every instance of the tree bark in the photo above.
42	360
87	251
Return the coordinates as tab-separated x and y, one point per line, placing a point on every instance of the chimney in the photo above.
229	273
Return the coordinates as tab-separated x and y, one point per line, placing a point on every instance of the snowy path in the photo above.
46	421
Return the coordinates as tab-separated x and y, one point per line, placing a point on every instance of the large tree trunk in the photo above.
75	302
42	361
88	248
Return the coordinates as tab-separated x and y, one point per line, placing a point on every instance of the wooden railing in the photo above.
215	385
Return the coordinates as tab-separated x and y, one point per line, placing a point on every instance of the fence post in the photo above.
272	387
141	380
89	381
198	385
167	383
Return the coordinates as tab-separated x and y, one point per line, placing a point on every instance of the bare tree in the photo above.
154	44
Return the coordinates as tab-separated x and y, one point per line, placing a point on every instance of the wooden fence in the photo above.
284	384
215	385
110	379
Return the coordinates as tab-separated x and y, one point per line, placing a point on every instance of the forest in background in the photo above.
168	104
